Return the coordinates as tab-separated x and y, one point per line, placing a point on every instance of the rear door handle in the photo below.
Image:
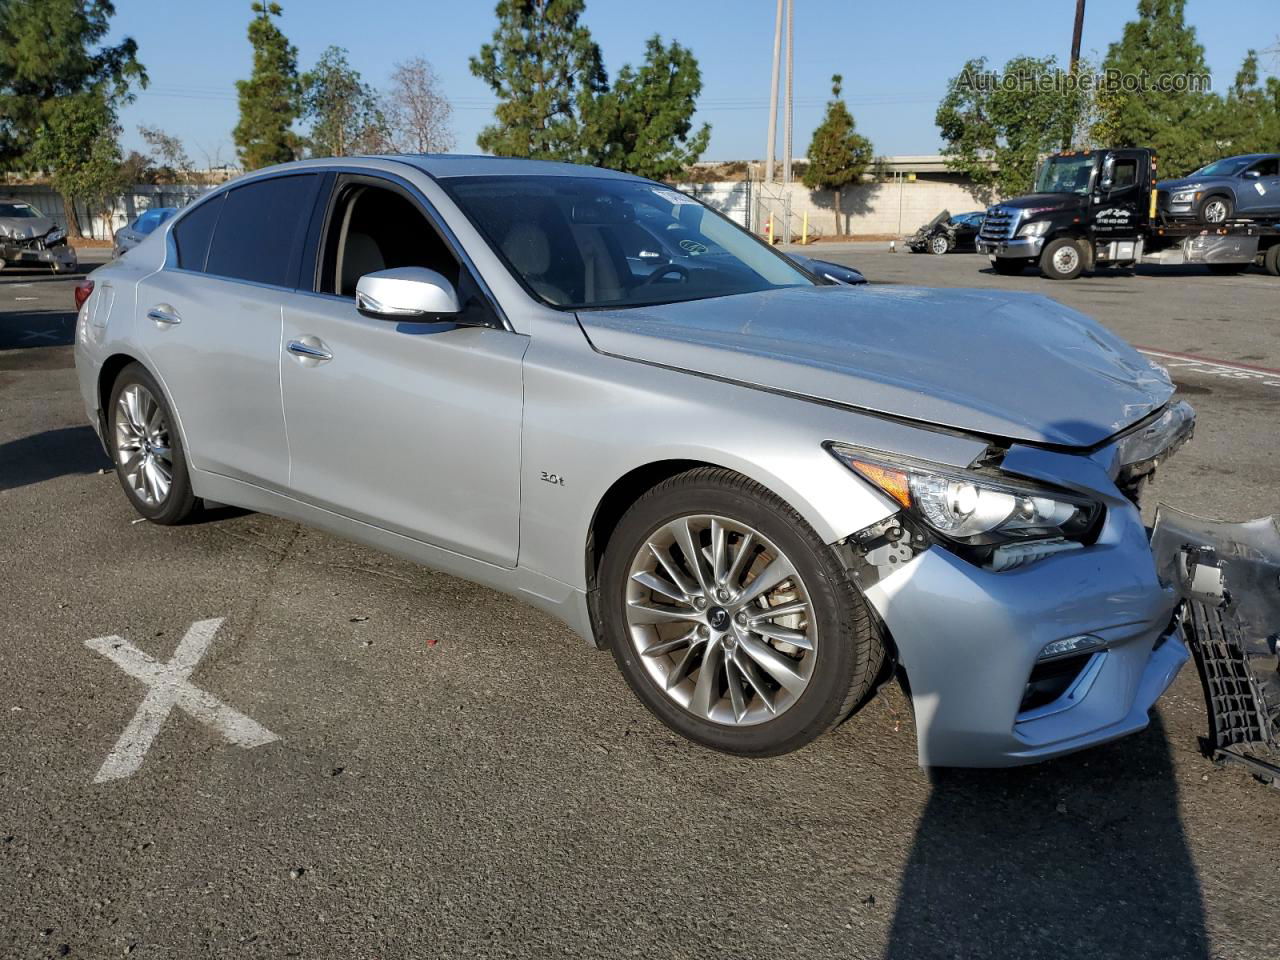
307	351
164	313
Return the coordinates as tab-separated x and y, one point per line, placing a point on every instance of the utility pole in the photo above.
1075	35
772	150
786	110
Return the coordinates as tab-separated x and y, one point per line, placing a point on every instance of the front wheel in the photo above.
1216	210
1062	259
731	619
939	244
150	462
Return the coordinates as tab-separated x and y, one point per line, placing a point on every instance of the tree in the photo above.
269	99
546	72
997	126
60	90
838	154
1248	118
418	110
170	161
344	112
1178	124
643	124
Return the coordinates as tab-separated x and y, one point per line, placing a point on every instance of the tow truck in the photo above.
1099	208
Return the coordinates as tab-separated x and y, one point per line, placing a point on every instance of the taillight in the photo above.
84	289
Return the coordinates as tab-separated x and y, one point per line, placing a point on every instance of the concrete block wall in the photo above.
887	208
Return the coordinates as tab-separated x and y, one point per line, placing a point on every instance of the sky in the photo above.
896	58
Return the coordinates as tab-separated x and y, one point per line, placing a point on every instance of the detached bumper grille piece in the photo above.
1229	577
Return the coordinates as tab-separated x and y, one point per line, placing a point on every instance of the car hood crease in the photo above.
1009	365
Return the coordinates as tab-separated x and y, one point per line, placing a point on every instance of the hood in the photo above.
24	228
1017	366
1048	201
1187	183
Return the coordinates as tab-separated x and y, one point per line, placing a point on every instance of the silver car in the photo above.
763	492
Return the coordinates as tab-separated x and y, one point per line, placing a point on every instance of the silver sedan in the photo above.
765	493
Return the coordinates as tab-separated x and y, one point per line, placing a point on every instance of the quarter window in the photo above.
193	232
259	234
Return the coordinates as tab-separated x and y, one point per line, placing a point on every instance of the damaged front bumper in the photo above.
60	256
1229	576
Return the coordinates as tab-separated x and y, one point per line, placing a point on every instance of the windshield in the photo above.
583	242
1223	168
20	211
147	223
1064	175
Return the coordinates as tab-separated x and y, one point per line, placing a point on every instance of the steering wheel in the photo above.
664	270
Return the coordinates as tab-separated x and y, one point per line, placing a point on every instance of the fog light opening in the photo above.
1070	647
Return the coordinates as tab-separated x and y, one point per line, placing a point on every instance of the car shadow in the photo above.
1080	857
45	456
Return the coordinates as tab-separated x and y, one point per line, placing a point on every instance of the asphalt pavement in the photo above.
350	756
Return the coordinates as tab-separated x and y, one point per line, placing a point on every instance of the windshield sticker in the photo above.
671	196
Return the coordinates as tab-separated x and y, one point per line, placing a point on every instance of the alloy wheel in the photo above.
143	450
721	619
1215	211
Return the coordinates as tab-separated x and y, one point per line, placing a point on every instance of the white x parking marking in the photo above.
169	688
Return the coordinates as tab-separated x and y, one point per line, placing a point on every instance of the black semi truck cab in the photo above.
1099	208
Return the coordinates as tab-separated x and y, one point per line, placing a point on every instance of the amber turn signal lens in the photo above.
893	482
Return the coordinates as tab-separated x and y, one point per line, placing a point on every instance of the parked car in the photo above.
142	227
764	492
945	233
28	237
1246	187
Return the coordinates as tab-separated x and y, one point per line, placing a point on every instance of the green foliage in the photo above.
546	72
996	132
170	163
270	98
838	154
59	92
1179	125
345	116
643	124
1247	120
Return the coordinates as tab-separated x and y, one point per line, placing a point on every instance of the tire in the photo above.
765	717
1062	259
1227	269
1271	260
1009	267
1215	209
939	244
139	419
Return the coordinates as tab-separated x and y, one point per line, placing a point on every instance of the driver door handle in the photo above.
308	351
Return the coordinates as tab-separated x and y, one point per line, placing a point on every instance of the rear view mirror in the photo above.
407	293
1108	173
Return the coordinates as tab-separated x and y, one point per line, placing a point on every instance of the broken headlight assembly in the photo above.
993	520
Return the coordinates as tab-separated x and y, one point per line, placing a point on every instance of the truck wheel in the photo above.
1009	266
939	244
1216	210
1062	259
1271	260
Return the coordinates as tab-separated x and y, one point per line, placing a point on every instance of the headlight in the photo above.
1186	196
53	236
1037	228
969	507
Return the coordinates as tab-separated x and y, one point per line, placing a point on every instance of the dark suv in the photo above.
1243	187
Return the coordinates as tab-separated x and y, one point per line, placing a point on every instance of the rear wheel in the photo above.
731	619
1062	259
1215	210
150	462
1008	266
1271	260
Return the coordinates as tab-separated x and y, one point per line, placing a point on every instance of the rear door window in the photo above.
260	231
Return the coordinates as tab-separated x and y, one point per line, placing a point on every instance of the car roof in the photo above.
1249	156
445	165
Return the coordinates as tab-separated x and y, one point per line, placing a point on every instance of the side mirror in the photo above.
1108	173
407	294
1252	174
